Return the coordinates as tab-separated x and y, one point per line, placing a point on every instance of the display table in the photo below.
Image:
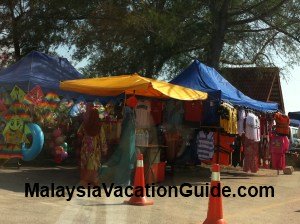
151	155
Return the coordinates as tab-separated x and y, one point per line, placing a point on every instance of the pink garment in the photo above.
279	145
250	156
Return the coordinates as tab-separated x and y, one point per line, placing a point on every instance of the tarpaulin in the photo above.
131	84
40	69
294	115
200	77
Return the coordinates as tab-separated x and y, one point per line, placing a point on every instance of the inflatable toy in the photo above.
37	143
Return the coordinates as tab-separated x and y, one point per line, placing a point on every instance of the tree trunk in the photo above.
219	28
15	32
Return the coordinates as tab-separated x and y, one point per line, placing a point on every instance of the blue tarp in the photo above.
37	68
294	118
201	77
294	115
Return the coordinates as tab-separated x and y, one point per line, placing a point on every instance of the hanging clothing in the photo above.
282	124
157	111
193	111
264	152
241	122
228	118
174	142
236	155
250	156
264	126
143	116
91	149
205	145
252	130
122	161
174	113
279	145
210	112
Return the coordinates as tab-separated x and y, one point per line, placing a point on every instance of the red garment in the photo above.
263	126
193	111
156	111
251	156
225	142
282	124
279	145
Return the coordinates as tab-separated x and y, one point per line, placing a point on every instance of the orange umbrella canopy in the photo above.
131	84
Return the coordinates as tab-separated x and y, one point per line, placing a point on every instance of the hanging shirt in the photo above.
241	122
210	109
252	130
205	145
228	118
193	111
156	111
264	126
142	111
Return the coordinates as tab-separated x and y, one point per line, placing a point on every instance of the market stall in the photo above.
34	109
251	128
147	98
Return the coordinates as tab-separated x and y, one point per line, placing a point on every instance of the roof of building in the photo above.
260	83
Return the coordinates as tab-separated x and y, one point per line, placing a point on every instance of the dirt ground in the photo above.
16	208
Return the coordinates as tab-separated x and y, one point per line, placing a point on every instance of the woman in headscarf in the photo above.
93	144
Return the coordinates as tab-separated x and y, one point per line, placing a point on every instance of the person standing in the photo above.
93	145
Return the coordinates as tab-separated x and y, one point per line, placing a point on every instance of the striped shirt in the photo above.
205	145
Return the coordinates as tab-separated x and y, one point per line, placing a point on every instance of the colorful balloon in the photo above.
65	146
60	140
64	155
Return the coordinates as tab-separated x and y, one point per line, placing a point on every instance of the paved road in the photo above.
16	208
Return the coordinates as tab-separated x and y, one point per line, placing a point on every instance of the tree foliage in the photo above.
156	37
42	25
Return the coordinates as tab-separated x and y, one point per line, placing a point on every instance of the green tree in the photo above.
42	25
161	36
153	37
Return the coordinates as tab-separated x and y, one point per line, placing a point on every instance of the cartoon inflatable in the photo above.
37	143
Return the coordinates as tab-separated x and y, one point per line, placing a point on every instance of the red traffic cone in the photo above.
139	181
215	207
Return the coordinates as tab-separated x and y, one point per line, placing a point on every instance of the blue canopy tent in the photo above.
201	77
37	68
47	71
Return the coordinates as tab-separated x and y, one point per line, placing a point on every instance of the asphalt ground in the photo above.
284	207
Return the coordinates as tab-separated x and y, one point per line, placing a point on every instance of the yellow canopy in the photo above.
131	84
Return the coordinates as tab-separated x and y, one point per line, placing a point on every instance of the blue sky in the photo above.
291	90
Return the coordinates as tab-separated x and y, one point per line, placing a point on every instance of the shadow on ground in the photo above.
14	179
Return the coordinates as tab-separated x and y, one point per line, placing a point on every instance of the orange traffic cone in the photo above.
139	181
215	207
